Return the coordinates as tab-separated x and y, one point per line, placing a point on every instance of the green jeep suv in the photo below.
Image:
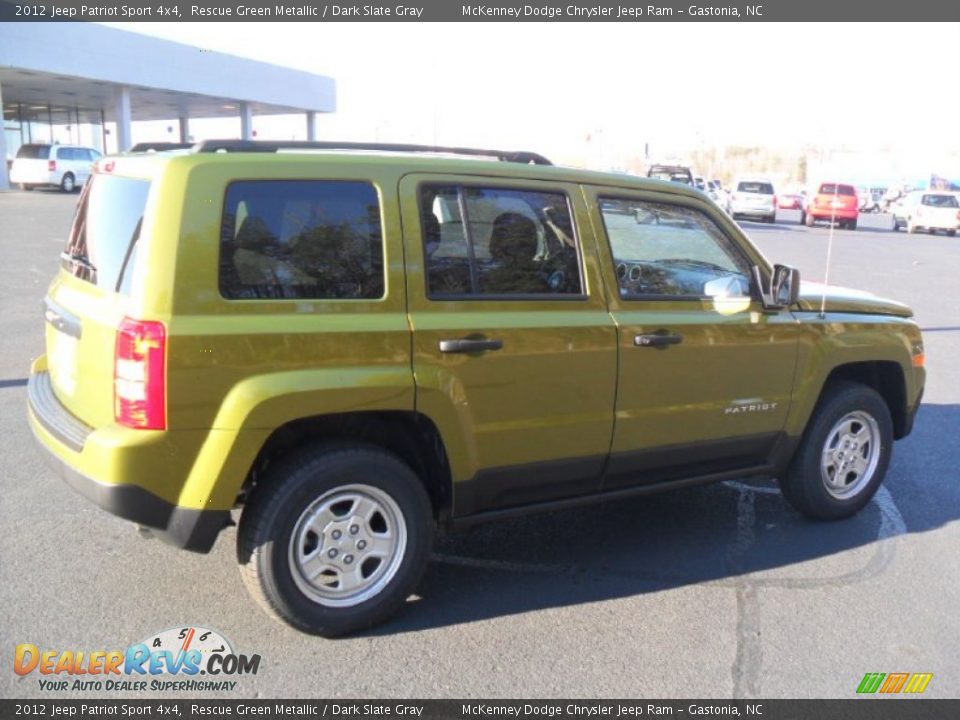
352	347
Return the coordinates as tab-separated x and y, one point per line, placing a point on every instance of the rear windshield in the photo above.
760	188
34	152
834	189
943	201
673	174
102	245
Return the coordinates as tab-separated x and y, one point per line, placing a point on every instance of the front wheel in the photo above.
843	455
335	539
68	184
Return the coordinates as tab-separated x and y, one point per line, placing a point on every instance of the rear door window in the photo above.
106	227
304	239
498	242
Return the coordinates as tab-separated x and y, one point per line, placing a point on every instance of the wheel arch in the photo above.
884	376
411	436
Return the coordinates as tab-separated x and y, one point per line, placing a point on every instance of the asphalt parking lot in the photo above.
721	591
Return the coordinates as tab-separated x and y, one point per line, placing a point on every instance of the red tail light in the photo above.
52	165
139	375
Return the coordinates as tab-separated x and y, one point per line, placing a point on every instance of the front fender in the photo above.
827	344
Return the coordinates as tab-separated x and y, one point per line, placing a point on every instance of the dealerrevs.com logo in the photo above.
188	658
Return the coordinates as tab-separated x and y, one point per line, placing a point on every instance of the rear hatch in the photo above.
32	164
757	195
940	210
832	196
87	301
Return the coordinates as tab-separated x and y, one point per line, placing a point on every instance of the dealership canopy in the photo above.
73	73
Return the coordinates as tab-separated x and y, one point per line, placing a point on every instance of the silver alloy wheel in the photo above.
347	545
850	455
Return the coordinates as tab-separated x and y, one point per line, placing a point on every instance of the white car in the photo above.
930	210
718	195
754	197
63	166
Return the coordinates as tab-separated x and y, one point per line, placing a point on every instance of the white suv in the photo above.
930	210
63	166
754	197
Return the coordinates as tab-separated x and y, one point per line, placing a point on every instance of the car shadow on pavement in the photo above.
712	534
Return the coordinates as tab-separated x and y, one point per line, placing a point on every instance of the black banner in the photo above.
474	11
855	709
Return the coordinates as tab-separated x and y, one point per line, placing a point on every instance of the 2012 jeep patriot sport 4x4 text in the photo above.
355	348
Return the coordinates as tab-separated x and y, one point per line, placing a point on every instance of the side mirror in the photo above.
784	289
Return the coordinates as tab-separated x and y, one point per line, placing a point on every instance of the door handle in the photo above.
468	345
659	339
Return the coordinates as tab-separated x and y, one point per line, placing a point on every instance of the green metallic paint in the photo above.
568	383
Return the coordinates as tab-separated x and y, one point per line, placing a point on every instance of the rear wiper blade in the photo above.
78	260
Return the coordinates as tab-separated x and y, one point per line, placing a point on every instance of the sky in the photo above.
550	86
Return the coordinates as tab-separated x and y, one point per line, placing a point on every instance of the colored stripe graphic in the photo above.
894	682
870	682
918	682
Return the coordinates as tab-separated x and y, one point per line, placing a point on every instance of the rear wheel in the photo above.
803	217
843	455
952	233
26	187
335	539
68	184
852	225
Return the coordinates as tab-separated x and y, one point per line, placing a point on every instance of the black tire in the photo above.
951	233
852	224
68	183
279	503
26	187
804	485
803	218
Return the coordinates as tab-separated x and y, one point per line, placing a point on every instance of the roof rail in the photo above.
160	146
266	146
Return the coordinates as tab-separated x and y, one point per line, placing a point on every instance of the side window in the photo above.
671	251
498	242
310	239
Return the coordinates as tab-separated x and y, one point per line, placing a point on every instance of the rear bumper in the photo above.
33	177
753	211
826	214
61	435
